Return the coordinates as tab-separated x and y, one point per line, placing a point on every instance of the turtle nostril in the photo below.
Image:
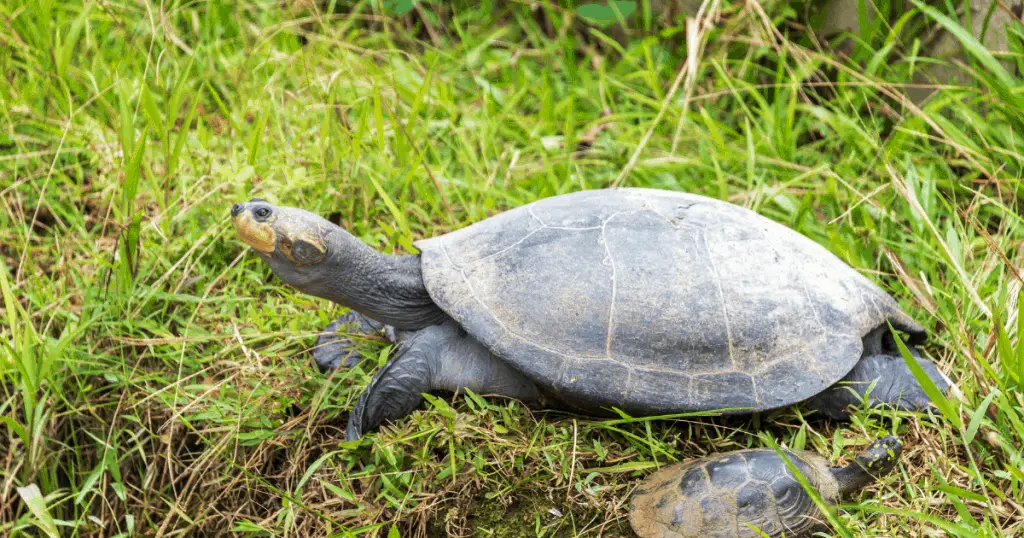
236	209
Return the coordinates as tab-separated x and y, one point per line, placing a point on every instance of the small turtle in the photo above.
649	301
751	493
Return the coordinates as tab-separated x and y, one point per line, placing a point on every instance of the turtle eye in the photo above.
261	213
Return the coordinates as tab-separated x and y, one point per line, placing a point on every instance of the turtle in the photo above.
751	493
644	301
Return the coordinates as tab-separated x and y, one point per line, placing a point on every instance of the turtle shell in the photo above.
748	493
657	302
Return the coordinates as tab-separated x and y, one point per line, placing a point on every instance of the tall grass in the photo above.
155	377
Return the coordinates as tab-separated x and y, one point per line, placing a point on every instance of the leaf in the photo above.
310	470
33	498
69	46
87	486
127	121
152	112
179	143
343	493
398	7
255	137
244	174
961	493
132	240
926	383
1004	350
392	207
378	117
442	406
177	95
800	439
1020	334
223	108
979	414
604	15
16	427
133	172
624	467
952	528
254	437
10	304
475	398
112	464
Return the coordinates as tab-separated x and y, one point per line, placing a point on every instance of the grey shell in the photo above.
657	302
748	493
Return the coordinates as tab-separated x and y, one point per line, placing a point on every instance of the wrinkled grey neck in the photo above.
852	477
386	288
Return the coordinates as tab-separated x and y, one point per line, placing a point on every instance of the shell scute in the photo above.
755	507
718	513
728	471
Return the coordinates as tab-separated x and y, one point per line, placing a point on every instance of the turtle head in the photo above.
319	258
870	465
881	456
292	241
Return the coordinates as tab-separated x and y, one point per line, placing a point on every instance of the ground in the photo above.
155	377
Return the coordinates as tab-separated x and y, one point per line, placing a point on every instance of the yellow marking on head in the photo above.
258	235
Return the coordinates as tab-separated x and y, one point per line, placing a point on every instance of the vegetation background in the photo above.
155	378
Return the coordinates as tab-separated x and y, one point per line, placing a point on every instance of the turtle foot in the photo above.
397	388
882	381
337	345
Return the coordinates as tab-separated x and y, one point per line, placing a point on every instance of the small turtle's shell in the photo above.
657	302
738	495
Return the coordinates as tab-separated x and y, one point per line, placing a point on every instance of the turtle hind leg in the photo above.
336	347
438	358
882	380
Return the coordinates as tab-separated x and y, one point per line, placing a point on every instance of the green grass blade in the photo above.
33	498
179	142
828	510
935	521
1008	360
944	406
255	139
10	304
69	45
132	174
153	114
396	213
378	118
977	417
1020	335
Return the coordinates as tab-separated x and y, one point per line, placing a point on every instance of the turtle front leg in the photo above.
335	346
894	386
438	358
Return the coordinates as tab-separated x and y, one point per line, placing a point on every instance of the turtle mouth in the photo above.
258	235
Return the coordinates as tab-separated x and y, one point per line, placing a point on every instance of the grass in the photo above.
155	377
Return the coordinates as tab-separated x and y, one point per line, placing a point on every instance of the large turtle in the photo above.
649	301
751	493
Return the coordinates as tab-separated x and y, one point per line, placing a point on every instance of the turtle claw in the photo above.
335	348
